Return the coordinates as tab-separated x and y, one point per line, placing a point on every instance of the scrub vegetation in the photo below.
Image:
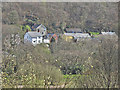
88	63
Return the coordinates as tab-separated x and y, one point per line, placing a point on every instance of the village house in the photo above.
34	38
38	38
39	35
74	34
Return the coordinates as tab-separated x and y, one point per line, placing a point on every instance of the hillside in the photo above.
88	63
55	16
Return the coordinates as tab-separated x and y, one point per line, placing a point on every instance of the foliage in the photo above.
87	63
63	26
13	17
55	16
96	57
27	27
72	69
33	69
94	33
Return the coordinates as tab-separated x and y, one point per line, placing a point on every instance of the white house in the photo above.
35	38
108	33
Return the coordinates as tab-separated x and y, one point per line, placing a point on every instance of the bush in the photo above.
13	17
72	69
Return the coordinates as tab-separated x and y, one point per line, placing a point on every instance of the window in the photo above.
34	41
45	37
39	41
38	30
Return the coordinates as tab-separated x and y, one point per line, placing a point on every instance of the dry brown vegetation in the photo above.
89	63
92	62
55	16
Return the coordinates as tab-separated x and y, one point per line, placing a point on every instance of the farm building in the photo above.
77	36
74	33
81	35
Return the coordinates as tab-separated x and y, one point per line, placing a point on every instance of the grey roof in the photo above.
82	35
35	34
77	34
38	25
43	26
69	34
73	30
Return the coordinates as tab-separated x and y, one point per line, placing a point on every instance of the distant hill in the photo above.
57	16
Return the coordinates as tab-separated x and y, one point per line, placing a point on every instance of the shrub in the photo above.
13	17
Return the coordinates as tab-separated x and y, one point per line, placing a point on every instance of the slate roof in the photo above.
36	25
77	34
35	34
69	34
74	30
81	35
43	26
